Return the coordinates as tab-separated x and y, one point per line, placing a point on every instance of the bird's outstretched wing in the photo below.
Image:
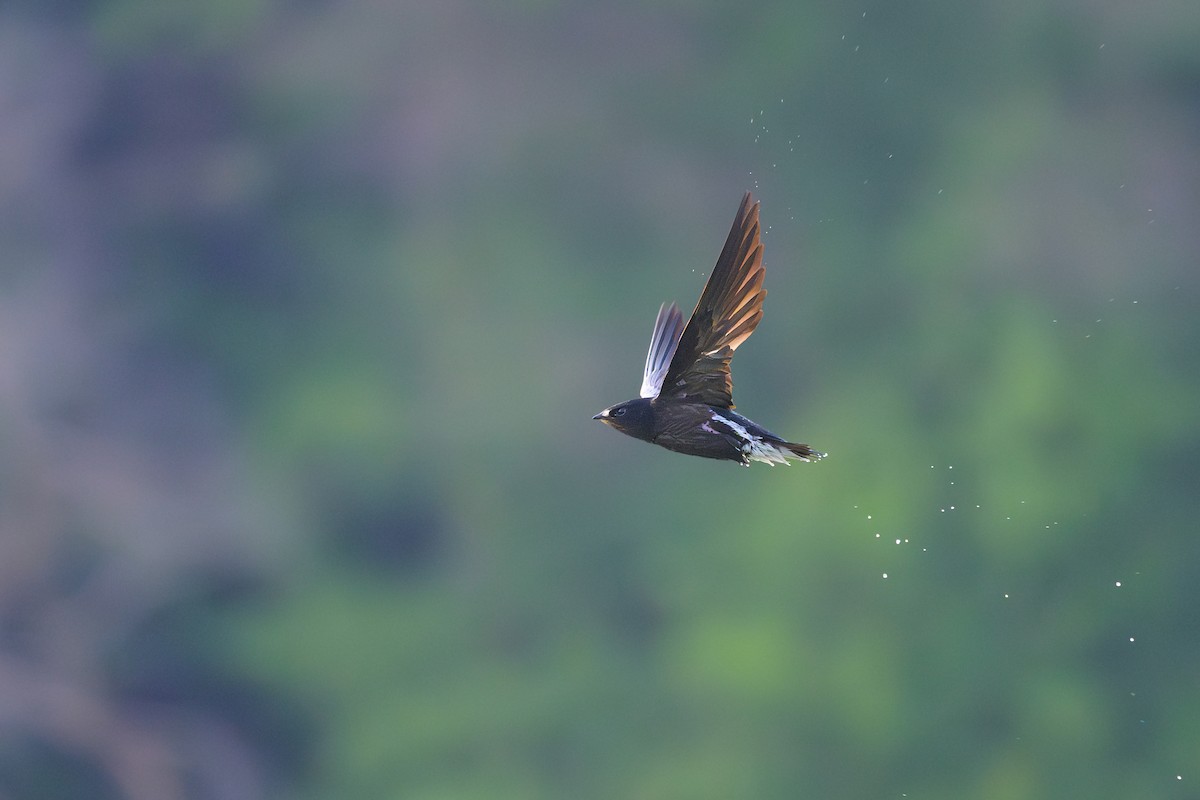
663	342
728	312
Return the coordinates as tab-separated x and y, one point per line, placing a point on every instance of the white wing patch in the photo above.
668	327
754	448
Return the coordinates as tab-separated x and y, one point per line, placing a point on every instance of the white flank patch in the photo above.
754	447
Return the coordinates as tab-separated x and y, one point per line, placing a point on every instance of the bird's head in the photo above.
633	417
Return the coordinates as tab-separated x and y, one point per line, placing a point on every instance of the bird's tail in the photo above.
803	451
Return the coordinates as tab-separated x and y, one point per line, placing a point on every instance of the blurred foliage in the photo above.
306	308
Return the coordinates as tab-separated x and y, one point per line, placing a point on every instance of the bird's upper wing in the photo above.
663	342
728	312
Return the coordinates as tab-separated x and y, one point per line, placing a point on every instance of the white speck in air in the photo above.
1118	584
885	575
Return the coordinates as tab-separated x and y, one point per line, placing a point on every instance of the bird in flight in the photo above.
686	401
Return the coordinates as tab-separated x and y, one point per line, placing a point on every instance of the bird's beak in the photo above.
602	416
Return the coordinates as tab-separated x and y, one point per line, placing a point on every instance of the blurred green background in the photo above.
305	309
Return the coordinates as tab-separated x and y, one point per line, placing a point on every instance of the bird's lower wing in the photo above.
664	340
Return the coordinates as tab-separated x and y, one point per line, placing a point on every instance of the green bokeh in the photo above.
307	307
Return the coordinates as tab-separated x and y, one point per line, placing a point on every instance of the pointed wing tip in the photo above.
748	208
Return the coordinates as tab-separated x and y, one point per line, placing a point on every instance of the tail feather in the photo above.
803	452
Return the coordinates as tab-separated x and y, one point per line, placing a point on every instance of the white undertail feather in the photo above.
756	448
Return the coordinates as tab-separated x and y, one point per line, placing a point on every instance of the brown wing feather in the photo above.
729	310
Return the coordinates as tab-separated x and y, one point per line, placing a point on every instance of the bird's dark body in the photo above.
687	393
708	432
696	429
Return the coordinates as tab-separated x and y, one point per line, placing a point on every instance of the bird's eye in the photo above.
620	412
